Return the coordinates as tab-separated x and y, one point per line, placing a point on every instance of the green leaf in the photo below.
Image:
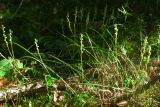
5	66
2	74
50	81
19	65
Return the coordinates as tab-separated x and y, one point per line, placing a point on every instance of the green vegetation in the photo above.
79	53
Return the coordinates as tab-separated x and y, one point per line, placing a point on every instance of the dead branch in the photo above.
12	92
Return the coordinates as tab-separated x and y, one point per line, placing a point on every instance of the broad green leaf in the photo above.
2	74
5	66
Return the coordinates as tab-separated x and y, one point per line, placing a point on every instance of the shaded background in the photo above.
47	20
